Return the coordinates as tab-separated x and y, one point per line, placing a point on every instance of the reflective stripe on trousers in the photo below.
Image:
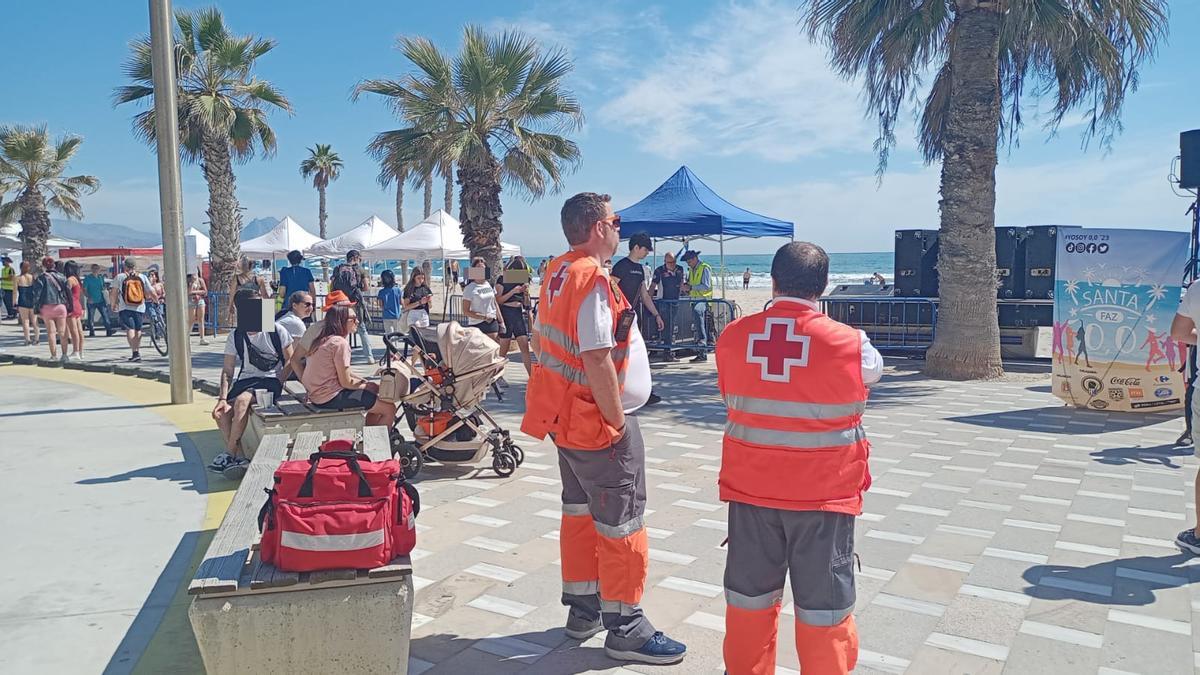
603	537
816	548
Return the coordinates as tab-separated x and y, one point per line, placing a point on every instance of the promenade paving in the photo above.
1004	533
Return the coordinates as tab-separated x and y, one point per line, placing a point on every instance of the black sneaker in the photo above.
658	650
1188	542
221	462
701	358
1184	440
654	398
136	358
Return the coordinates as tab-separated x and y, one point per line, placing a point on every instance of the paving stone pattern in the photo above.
1003	533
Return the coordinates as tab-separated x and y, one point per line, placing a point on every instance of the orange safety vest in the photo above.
558	399
792	380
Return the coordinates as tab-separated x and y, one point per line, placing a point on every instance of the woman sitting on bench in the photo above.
327	377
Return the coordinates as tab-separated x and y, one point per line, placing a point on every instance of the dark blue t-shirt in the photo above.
390	299
294	278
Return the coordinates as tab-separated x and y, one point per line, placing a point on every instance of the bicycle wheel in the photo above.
158	334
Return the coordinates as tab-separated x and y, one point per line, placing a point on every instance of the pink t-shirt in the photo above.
321	369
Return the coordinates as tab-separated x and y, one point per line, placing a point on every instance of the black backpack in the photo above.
241	342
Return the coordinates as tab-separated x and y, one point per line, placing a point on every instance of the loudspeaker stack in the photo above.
1010	263
916	263
1189	159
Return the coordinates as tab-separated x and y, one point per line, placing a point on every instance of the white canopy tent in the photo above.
202	242
372	231
284	237
437	237
10	239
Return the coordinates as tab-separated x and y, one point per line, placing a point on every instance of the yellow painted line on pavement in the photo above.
172	649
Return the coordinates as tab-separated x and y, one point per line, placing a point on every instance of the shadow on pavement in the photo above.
1159	455
67	411
197	449
163	615
524	652
1126	581
1062	419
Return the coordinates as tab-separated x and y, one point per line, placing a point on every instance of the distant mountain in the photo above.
104	235
108	235
258	227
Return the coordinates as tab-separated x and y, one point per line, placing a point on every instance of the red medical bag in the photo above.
338	509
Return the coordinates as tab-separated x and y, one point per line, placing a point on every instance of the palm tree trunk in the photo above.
967	339
321	215
400	205
479	205
428	193
35	228
224	217
449	193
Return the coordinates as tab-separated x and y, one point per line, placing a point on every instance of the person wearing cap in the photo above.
297	277
8	279
699	287
350	279
631	279
304	343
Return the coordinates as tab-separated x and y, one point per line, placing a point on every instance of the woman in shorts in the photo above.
51	300
514	307
327	378
197	301
416	299
29	319
479	301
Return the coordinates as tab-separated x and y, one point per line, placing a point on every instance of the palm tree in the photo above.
446	170
223	110
983	55
324	166
496	111
32	167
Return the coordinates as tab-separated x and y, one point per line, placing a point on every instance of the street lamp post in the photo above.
166	126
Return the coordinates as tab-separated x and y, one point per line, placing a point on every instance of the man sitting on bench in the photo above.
261	356
304	344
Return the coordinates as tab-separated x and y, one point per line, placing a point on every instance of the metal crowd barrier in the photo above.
688	323
893	324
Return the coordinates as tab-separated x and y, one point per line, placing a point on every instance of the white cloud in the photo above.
850	213
743	81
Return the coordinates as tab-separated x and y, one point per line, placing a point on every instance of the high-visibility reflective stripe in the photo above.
822	617
764	601
814	411
804	440
564	370
331	542
581	587
575	509
619	531
565	341
617	607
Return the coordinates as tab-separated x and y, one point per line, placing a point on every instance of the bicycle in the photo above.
158	328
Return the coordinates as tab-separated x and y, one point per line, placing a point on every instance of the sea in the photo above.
844	268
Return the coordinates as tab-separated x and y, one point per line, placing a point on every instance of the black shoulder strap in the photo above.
277	343
239	344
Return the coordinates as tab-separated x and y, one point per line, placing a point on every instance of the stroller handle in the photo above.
394	341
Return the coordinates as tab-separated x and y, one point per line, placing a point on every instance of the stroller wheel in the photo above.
411	460
517	453
503	464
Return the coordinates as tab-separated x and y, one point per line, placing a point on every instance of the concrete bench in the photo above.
250	617
291	415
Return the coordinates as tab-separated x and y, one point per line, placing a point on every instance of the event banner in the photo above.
1115	294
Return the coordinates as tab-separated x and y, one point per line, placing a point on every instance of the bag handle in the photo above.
351	458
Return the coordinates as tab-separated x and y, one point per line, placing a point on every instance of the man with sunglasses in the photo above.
593	375
299	314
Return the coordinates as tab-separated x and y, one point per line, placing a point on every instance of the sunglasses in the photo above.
614	221
305	304
352	318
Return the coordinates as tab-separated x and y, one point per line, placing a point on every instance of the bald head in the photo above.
800	270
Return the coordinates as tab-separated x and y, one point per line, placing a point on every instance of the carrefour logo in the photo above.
1163	379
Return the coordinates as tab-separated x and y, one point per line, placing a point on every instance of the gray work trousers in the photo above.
610	487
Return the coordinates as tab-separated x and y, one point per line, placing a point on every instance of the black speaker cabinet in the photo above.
1010	263
916	263
1189	159
1040	247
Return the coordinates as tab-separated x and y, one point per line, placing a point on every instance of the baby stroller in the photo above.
448	375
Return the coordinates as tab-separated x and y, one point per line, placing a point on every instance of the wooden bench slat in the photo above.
306	444
227	555
343	435
376	443
397	568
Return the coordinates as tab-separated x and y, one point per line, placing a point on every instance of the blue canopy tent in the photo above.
684	208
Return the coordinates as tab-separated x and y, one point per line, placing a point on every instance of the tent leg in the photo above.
721	240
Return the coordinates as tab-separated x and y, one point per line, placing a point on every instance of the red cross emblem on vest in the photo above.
777	349
556	282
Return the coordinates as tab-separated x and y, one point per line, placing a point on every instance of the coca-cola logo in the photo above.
1126	381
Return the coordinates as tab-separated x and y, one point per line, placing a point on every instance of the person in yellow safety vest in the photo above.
699	286
8	278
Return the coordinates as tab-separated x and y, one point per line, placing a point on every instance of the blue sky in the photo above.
731	89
